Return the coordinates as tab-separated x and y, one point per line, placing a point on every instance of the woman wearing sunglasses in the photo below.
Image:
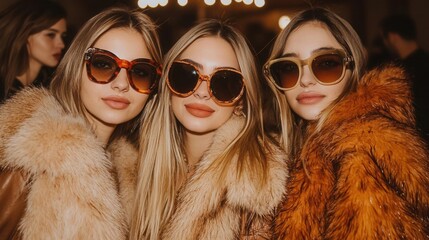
66	168
206	172
359	169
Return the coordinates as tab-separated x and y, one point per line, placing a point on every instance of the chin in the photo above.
198	129
311	116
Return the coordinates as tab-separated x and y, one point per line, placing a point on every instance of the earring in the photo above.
238	110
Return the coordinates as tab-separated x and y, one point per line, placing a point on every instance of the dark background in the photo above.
260	25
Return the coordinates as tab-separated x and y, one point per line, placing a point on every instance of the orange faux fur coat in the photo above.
56	180
365	175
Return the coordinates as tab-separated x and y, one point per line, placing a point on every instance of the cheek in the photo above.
140	100
224	113
291	98
31	46
337	89
175	102
227	112
87	90
84	81
37	43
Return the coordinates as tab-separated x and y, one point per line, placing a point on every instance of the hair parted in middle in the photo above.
349	40
66	83
163	152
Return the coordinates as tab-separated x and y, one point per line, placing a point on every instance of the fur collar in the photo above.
385	90
73	194
209	204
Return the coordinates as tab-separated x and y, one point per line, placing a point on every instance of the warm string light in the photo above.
284	21
182	3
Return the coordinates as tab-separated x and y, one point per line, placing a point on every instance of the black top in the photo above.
417	66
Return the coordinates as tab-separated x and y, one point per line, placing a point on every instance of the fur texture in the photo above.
365	174
210	206
77	191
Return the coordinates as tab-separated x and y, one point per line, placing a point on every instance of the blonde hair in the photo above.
290	123
162	161
66	83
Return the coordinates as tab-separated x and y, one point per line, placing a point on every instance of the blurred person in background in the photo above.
32	33
400	37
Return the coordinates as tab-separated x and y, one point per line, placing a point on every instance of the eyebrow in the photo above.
53	30
200	66
312	52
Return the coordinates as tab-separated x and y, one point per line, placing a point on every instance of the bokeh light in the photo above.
284	21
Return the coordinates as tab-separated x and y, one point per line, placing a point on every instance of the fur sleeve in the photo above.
72	194
124	157
382	185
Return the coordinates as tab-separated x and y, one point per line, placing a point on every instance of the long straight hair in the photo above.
17	23
162	155
66	83
291	124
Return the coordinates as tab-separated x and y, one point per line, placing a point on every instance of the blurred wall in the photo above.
261	25
418	10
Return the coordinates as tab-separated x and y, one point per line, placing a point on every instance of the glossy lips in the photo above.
309	98
116	102
199	110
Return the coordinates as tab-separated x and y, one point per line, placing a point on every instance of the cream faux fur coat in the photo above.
74	188
210	206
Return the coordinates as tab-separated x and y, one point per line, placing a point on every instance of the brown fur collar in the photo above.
383	91
364	175
73	193
209	206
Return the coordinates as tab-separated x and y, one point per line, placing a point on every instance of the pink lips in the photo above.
199	110
116	102
57	56
309	98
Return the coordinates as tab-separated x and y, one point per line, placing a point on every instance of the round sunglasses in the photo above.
328	67
225	85
103	67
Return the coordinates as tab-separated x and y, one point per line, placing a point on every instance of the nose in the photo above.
59	43
120	83
307	77
62	45
202	91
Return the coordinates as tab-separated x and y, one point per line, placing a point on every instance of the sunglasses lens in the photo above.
102	68
182	77
328	68
285	73
226	85
143	76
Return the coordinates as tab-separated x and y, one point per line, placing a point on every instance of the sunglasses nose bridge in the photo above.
204	78
305	62
123	64
305	76
127	66
201	90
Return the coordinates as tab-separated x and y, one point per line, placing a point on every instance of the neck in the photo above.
30	75
103	133
407	47
196	145
102	130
